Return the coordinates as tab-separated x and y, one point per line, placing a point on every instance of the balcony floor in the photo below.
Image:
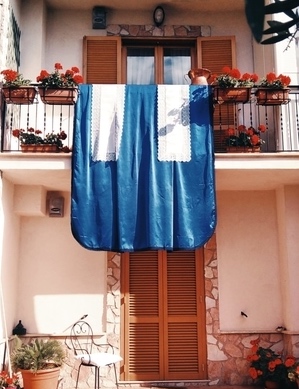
256	171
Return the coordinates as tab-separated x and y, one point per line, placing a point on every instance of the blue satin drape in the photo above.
138	202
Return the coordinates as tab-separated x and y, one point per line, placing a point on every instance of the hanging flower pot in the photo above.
271	384
58	96
59	88
19	94
39	148
243	149
232	95
269	96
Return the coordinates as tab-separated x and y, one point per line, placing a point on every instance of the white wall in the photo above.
65	30
59	280
9	253
247	250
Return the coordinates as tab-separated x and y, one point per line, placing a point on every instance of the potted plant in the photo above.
232	86
293	370
59	87
32	141
244	139
9	380
16	89
268	368
39	362
272	90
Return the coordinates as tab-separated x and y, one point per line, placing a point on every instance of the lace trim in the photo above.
107	117
174	138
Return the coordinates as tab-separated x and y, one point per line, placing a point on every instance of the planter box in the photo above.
240	149
268	96
58	96
19	95
232	95
39	148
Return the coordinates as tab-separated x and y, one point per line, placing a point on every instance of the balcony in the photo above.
282	122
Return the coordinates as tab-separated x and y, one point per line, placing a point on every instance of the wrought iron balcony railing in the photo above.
281	122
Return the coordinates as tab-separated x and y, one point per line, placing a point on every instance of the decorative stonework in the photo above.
227	353
177	31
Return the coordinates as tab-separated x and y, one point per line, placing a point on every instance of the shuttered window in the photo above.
163	315
102	60
105	63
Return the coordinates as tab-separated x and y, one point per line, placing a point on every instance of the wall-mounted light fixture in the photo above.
158	16
99	18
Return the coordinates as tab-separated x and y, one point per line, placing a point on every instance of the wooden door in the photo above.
163	315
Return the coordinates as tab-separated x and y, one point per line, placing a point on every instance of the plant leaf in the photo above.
281	6
275	39
276	26
255	14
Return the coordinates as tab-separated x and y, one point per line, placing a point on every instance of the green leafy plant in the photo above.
293	369
37	355
232	78
12	78
33	137
244	137
275	81
267	365
59	79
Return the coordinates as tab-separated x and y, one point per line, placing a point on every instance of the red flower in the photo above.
262	128
16	133
241	128
230	131
235	73
290	361
58	66
253	373
255	140
226	69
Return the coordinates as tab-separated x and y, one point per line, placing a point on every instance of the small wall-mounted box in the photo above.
99	18
56	206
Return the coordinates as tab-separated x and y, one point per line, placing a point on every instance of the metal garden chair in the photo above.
89	353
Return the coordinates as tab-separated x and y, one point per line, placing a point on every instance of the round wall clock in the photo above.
158	16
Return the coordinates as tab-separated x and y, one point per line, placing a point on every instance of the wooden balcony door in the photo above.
163	315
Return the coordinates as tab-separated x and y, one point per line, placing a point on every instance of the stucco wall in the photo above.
247	251
9	252
65	30
59	280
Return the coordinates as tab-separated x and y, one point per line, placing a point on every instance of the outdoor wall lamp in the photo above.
158	16
99	18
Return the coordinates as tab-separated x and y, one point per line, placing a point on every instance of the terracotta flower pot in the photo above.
39	148
42	379
232	95
271	385
58	96
268	96
19	95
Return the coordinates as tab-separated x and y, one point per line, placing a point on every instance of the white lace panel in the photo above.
174	139
107	116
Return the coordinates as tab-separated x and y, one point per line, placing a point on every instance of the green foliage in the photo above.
37	355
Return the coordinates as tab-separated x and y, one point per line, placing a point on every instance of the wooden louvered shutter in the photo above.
163	313
142	315
102	60
214	54
185	315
